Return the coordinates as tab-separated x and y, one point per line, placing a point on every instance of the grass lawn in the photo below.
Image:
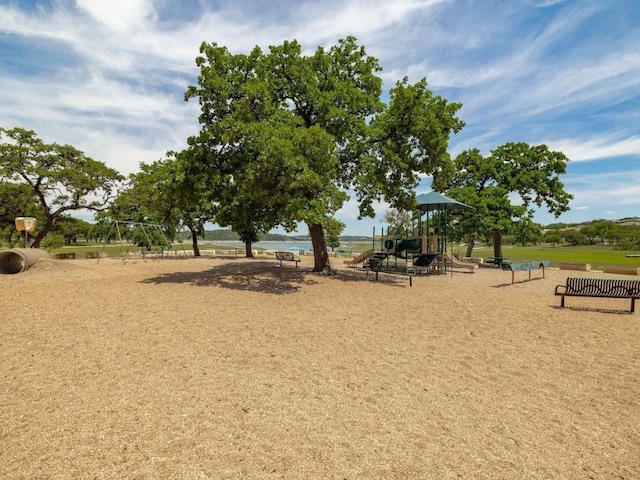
598	256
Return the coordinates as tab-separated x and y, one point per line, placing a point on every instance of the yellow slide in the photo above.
360	258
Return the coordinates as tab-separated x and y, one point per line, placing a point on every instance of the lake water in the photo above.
303	246
300	246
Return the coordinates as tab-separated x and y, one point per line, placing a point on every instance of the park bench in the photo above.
378	264
524	266
287	256
600	287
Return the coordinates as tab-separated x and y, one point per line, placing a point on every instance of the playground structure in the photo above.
149	247
425	245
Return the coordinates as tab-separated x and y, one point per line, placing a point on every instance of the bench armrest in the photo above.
557	292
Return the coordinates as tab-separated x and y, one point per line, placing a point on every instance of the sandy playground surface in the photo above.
234	368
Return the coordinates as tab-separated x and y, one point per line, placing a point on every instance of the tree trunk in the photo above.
496	238
48	226
470	246
194	241
320	255
247	248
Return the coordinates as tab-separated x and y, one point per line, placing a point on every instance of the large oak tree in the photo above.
297	132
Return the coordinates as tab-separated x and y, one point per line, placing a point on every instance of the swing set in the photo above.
143	236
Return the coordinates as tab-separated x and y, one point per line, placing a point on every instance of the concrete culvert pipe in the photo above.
18	260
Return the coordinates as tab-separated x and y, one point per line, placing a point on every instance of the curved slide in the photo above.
360	258
18	260
455	263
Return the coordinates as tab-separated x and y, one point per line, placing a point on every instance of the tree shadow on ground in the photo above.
266	277
508	284
384	278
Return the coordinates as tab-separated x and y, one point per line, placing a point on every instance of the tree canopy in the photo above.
60	177
288	135
503	188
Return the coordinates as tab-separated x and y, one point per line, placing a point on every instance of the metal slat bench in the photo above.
600	287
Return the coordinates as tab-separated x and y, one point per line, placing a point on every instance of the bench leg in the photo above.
633	304
562	301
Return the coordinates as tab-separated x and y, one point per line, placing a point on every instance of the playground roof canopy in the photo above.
429	202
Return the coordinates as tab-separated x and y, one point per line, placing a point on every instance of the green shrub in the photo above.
53	240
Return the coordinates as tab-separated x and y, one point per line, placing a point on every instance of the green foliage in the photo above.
398	220
332	230
72	229
552	236
285	135
60	177
17	200
527	232
628	245
529	173
574	237
52	240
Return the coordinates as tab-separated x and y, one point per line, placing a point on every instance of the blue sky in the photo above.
108	77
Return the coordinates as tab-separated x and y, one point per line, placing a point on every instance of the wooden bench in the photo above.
524	266
600	287
287	256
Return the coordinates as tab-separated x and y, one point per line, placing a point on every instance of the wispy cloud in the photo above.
597	148
605	190
119	15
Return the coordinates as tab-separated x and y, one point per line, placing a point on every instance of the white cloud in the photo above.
598	190
596	148
323	21
119	15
